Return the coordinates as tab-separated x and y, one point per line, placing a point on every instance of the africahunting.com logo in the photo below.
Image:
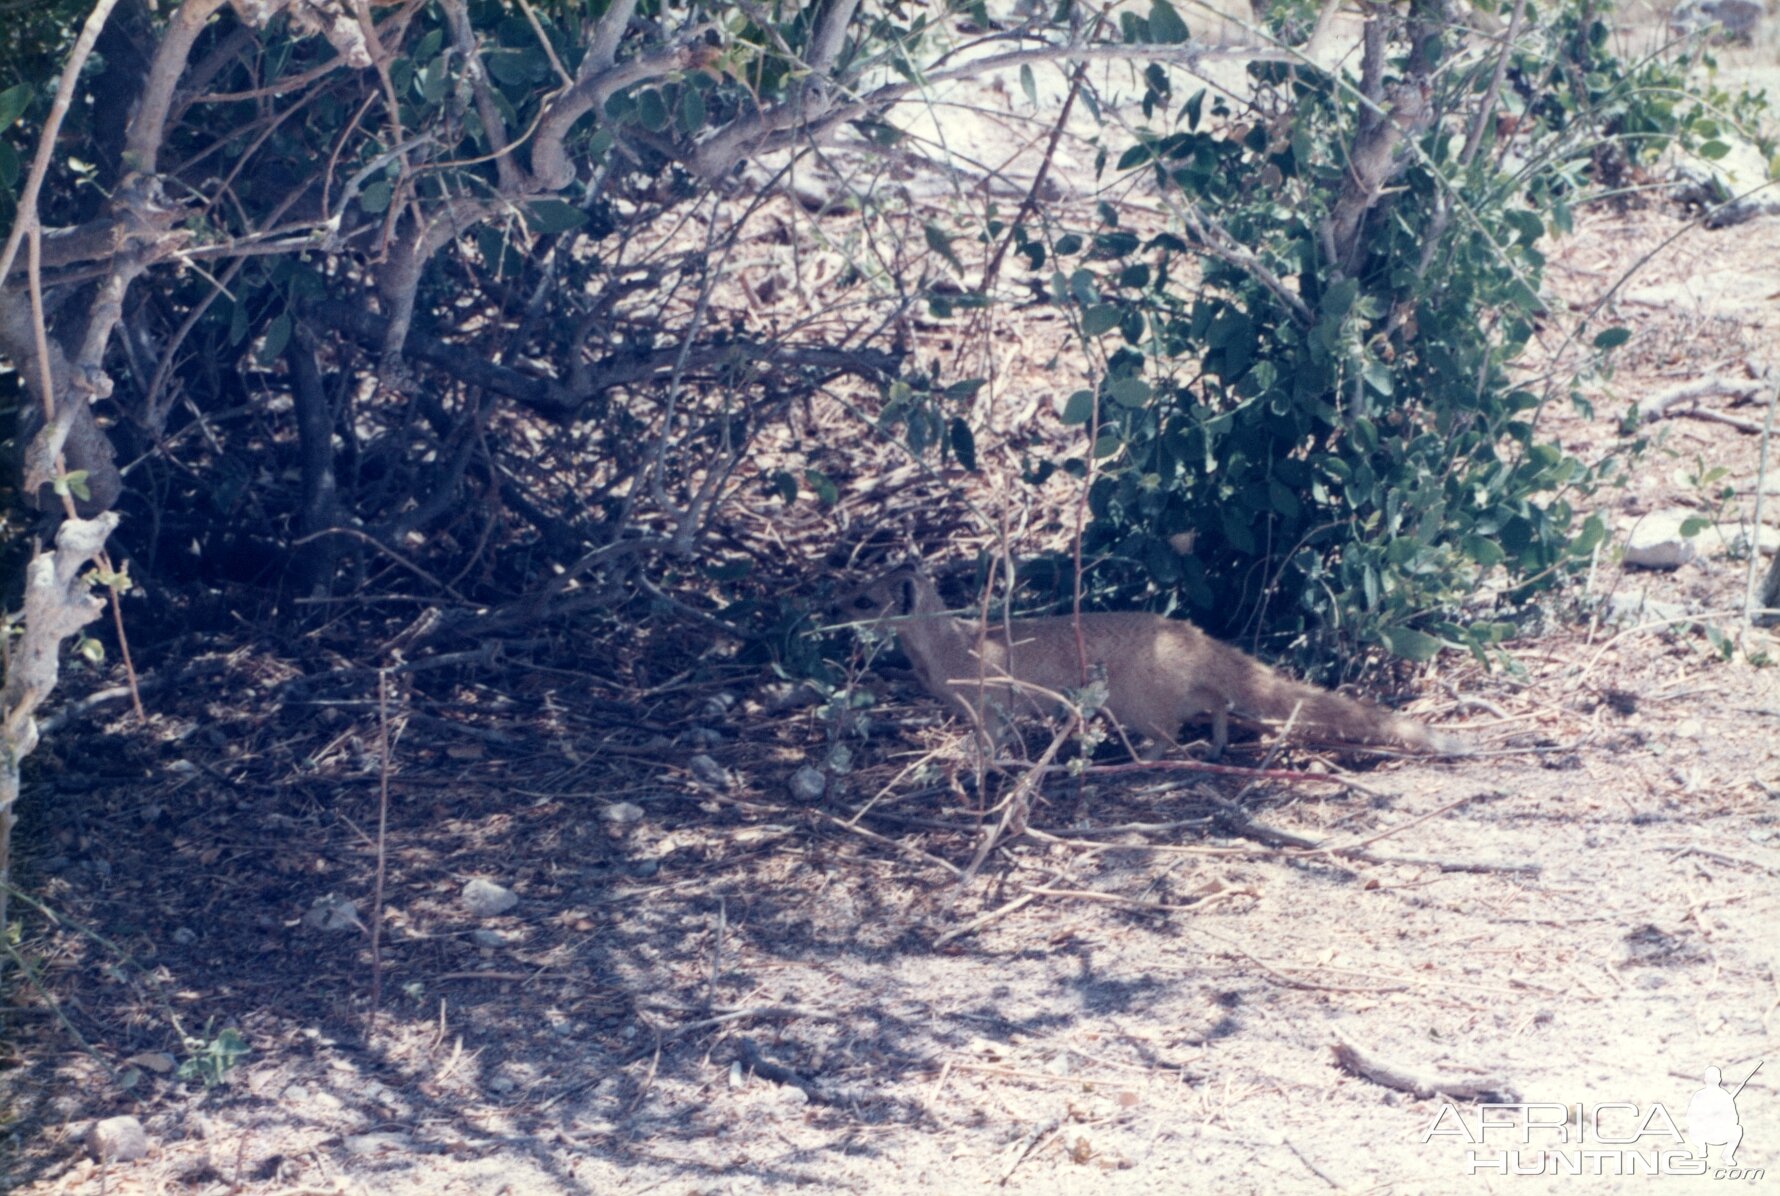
1619	1138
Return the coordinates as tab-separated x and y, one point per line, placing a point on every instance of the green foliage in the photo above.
210	1059
1339	430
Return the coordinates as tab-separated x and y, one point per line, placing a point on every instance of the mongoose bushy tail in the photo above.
1259	693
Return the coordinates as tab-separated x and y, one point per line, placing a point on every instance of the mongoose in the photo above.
1160	672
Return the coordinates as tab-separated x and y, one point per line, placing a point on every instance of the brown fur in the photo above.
1160	673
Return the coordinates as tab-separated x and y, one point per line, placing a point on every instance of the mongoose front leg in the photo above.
1220	731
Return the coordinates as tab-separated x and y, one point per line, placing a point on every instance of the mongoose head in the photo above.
903	592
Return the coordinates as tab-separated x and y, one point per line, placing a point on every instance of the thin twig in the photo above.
382	845
1761	475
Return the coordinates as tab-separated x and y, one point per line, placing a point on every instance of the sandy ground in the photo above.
737	993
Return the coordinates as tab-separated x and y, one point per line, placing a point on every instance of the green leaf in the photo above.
73	482
1693	525
515	68
825	490
940	244
652	110
1129	391
1078	408
1377	375
784	485
692	111
1028	84
1612	338
964	443
13	102
553	216
1166	27
1410	644
1483	551
1194	106
1099	319
375	198
1714	150
277	337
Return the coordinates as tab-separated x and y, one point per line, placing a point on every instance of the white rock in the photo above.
1656	541
117	1140
623	813
485	899
386	1142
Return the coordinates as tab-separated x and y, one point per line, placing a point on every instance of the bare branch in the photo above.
142	148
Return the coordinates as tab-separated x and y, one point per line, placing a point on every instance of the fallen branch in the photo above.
1420	1084
1662	407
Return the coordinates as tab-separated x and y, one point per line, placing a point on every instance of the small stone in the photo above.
644	869
1657	541
380	1143
117	1140
783	696
501	1083
717	706
707	771
485	899
492	939
808	784
159	1062
623	813
703	737
331	911
185	936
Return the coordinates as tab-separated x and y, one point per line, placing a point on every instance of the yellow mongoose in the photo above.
1160	672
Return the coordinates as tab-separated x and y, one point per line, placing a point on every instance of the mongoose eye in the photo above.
863	602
